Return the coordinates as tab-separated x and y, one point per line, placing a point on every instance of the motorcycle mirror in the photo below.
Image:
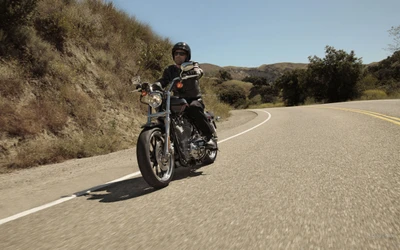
186	66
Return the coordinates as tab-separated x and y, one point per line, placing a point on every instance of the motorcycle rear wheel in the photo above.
149	149
211	156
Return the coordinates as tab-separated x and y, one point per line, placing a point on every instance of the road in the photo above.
310	177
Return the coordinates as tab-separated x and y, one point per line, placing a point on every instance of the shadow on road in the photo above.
134	187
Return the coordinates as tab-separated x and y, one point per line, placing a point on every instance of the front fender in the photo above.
153	125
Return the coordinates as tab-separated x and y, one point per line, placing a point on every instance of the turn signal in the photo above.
179	85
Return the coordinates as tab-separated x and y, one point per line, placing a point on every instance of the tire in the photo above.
210	157
149	149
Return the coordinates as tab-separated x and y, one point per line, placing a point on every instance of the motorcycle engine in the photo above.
197	148
191	143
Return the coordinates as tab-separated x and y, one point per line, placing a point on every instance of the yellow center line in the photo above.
374	113
391	119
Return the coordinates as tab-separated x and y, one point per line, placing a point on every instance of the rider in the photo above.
190	91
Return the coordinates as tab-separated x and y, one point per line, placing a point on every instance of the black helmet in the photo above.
183	46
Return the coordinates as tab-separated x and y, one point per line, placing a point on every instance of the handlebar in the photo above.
142	86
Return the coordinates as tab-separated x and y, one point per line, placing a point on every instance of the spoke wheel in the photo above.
157	172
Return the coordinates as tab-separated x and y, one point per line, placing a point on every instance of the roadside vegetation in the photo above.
68	68
67	71
338	77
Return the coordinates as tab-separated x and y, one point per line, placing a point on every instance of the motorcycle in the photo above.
170	138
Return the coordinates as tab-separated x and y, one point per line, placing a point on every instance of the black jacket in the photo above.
190	89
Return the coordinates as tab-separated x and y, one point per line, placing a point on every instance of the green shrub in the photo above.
233	95
256	100
373	94
367	82
309	101
395	95
211	98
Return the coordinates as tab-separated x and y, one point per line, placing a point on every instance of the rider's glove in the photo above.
191	72
156	86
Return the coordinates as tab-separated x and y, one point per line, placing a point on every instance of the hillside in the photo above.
67	69
67	74
268	71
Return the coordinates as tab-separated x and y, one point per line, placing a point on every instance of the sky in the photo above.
250	33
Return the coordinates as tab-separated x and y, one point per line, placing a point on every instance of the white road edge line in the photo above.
64	199
269	117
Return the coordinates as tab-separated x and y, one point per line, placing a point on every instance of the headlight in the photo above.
154	99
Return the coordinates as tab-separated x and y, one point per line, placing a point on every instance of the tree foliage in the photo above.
261	86
233	95
293	91
223	76
386	74
256	81
334	77
329	79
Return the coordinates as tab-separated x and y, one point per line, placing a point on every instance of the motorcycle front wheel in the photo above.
149	151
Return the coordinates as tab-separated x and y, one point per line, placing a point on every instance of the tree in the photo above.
290	83
334	77
255	80
223	76
267	91
395	33
386	73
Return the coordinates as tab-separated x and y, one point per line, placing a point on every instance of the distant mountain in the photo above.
269	71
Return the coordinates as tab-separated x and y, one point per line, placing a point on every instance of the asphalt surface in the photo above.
315	177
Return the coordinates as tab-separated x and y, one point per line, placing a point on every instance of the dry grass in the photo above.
82	107
373	94
267	105
71	95
11	82
211	99
73	98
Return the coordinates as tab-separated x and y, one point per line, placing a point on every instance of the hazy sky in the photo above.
250	33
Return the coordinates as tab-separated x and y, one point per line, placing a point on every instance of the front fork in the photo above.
167	139
167	145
